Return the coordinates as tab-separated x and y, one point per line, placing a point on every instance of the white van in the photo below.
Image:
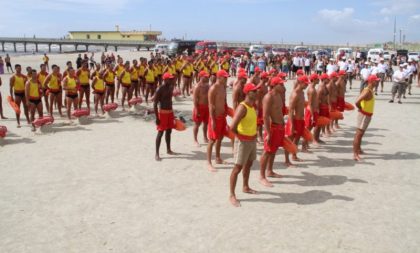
257	50
161	48
348	52
375	53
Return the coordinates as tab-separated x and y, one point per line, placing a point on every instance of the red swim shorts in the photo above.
324	111
310	119
277	138
299	127
220	130
203	110
260	119
341	104
166	118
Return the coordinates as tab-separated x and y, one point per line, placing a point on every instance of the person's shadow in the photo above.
310	179
306	198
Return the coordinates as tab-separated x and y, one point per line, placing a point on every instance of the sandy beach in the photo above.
97	187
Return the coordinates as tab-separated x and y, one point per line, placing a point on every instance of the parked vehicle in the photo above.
344	52
181	47
388	55
301	50
375	54
268	51
206	46
280	51
413	56
161	48
257	50
239	52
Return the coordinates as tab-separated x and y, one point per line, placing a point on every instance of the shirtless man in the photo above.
237	94
217	120
33	96
296	123
17	92
272	105
332	98
312	110
324	110
53	82
263	89
201	105
341	91
255	78
164	115
1	104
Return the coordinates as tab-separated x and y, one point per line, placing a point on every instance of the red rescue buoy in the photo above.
179	125
81	112
135	101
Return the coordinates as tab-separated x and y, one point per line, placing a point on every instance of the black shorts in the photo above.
21	95
100	93
35	101
85	87
307	68
8	64
72	96
295	68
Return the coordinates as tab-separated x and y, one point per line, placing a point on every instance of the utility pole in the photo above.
395	30
400	36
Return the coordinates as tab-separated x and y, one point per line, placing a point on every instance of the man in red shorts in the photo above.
217	120
341	91
312	109
332	95
164	115
260	96
272	105
324	110
296	123
201	105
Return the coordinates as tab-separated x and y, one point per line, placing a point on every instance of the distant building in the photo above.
115	35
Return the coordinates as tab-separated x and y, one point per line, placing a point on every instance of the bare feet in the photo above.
220	161
265	182
157	158
361	152
357	158
289	164
273	174
296	159
234	201
211	168
249	190
2	117
170	152
197	144
18	126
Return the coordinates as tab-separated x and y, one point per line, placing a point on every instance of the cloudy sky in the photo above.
308	21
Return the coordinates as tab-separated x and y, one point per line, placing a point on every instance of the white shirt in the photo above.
296	61
343	65
307	62
365	73
406	72
381	68
374	70
350	67
398	76
330	68
319	66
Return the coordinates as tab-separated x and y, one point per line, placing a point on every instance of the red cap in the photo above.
250	87
203	73
300	72
222	73
303	79
242	74
272	71
241	70
314	76
324	76
276	80
167	75
264	75
333	74
341	73
373	78
281	74
257	69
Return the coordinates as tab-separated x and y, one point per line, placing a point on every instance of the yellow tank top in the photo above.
134	74
84	77
33	90
150	77
215	68
41	78
225	66
178	65
188	70
172	69
126	79
110	77
368	105
248	125
71	85
141	70
99	85
54	85
19	85
120	69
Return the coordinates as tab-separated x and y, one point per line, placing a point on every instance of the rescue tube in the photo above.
230	112
307	135
176	92
322	121
348	107
289	146
335	115
135	101
14	106
179	125
81	112
46	120
110	107
229	134
3	131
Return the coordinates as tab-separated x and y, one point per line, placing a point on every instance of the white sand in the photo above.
97	188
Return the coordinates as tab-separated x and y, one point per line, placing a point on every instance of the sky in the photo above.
288	21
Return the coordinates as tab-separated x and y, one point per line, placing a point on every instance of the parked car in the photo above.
301	50
206	46
388	55
375	54
181	47
281	51
257	50
344	52
161	48
268	51
413	56
238	52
